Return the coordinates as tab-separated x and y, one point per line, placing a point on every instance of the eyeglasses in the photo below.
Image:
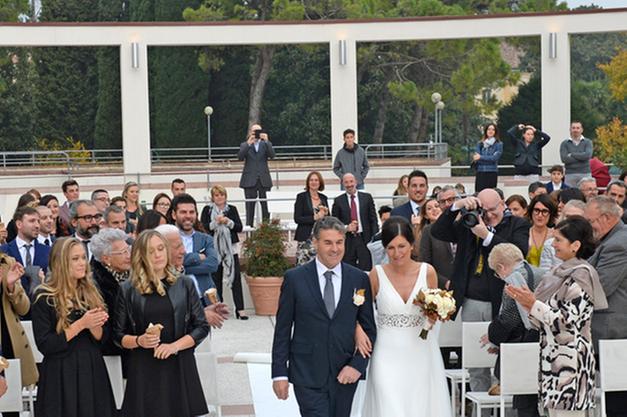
541	212
449	200
88	217
122	252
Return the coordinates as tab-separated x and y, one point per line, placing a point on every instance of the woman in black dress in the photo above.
221	220
68	319
162	376
310	206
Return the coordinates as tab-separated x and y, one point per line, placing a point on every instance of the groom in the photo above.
321	303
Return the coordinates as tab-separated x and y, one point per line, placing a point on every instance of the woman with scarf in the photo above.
561	309
111	266
222	221
511	324
486	158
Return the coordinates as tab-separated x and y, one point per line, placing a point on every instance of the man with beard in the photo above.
201	258
85	219
215	313
610	261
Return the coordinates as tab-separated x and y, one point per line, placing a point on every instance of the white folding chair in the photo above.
520	365
204	346
114	369
612	365
29	393
473	357
208	370
451	337
11	401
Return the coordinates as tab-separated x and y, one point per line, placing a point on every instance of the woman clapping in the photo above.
68	319
163	379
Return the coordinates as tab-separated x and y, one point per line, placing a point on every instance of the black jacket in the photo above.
527	157
304	215
367	213
109	289
511	230
189	317
230	212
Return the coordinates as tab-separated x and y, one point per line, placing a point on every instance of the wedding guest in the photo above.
59	229
429	213
541	213
617	190
575	153
351	159
85	220
149	220
120	202
417	191
162	203
548	260
111	266
536	188
610	262
101	199
461	190
178	187
3	233
566	195
557	179
528	150
517	205
562	309
486	158
26	200
588	187
72	193
400	194
163	379
68	319
310	206
221	220
46	226
115	218
512	324
134	210
15	303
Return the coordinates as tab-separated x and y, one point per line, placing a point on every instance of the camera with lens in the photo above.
258	133
471	218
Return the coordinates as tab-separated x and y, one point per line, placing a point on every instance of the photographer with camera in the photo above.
256	180
483	223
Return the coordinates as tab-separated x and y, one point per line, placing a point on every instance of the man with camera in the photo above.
256	180
484	223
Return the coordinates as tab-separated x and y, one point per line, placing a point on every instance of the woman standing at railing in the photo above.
310	206
134	210
486	158
528	151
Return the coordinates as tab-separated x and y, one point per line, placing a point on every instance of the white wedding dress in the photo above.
406	373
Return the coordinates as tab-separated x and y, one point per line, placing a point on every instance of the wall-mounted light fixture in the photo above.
343	52
553	45
135	55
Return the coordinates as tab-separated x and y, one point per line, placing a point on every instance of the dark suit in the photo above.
357	253
202	269
549	186
437	253
318	347
255	180
304	215
403	210
610	261
40	259
511	230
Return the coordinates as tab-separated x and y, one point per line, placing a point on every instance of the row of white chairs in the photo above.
16	397
519	367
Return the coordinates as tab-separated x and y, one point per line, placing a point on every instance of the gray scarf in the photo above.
222	241
516	279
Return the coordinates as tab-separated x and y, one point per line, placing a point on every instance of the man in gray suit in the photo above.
256	180
610	261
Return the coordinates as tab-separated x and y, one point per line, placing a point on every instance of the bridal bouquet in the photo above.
436	304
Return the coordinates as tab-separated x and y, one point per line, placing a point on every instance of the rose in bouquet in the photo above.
436	305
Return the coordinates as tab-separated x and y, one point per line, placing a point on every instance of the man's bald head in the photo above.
493	206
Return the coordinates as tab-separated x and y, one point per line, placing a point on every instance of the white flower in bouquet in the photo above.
437	305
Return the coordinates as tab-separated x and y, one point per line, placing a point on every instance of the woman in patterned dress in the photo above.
561	309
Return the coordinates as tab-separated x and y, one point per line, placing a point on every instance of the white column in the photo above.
555	95
135	110
343	92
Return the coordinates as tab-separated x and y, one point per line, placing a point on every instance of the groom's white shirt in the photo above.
336	280
337	288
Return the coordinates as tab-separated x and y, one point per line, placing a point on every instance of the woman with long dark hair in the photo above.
486	158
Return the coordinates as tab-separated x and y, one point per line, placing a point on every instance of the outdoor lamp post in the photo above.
436	98
208	112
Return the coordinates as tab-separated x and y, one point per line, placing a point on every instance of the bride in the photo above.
406	374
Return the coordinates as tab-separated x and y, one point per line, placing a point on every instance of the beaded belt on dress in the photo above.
400	320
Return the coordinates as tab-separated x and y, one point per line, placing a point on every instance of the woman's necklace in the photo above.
533	237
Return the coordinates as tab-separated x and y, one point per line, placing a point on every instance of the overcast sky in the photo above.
606	4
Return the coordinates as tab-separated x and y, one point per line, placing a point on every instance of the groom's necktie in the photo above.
329	296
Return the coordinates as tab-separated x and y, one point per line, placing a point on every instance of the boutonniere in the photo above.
359	296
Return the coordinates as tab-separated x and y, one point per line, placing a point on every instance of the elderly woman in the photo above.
69	317
562	309
163	379
111	266
222	221
512	323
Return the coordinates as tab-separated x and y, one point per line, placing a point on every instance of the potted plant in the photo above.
265	265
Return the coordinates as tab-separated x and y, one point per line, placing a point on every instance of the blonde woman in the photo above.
162	378
134	210
68	319
400	194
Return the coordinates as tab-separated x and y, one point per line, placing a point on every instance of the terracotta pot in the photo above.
265	293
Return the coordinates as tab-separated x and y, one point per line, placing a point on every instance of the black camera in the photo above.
258	133
471	218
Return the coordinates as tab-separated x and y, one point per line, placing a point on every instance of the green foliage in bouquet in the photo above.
264	251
